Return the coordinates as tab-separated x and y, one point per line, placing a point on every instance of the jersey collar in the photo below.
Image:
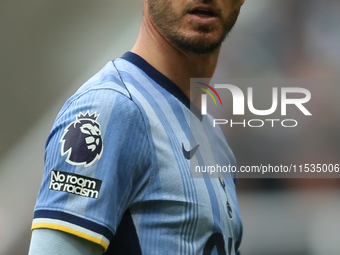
163	81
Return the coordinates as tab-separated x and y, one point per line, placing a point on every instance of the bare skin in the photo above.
176	63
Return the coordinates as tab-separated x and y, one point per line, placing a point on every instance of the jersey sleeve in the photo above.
97	164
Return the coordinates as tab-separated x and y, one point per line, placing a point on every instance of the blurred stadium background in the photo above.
49	48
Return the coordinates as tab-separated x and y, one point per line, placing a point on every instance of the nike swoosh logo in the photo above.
191	153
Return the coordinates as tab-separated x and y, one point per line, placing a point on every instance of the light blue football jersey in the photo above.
117	168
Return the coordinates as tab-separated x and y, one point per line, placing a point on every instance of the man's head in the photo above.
196	26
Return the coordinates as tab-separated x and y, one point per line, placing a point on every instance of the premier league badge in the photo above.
82	140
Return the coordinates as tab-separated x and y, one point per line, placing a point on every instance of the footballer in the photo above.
117	160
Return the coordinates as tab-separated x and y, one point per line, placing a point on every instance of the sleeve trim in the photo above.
74	230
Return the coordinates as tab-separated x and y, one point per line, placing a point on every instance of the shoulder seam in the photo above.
121	79
145	127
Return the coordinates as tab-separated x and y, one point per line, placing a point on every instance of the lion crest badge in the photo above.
82	140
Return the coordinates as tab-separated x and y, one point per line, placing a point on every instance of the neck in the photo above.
178	65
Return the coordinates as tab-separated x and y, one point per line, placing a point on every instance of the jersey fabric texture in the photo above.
116	171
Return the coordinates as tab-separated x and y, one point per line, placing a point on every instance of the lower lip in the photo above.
202	20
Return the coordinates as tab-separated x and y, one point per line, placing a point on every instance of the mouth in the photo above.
204	12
